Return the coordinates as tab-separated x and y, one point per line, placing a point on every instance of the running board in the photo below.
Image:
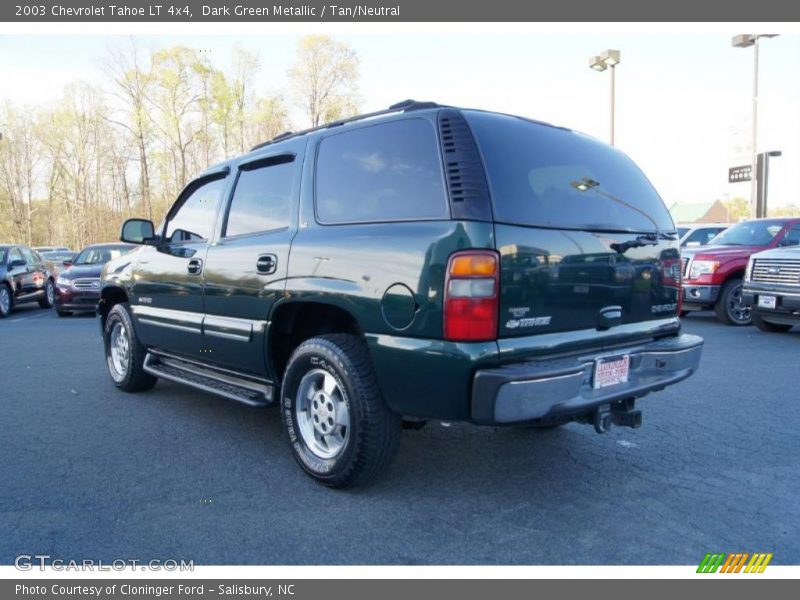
202	377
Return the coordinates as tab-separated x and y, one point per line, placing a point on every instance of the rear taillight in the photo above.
672	276
471	296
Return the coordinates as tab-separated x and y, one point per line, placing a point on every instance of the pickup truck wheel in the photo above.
5	301
49	295
339	429
770	327
124	353
730	308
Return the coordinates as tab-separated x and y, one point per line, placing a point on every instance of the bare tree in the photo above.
19	157
324	78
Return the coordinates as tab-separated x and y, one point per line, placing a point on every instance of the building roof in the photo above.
689	213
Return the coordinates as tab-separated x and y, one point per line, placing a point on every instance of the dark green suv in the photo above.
422	262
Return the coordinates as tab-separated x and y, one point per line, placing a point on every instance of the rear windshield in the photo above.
551	177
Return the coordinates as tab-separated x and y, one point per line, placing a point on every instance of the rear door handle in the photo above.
266	264
195	266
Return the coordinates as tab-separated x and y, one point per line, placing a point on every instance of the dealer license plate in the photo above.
766	301
611	371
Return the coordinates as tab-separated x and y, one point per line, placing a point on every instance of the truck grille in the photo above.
784	271
87	284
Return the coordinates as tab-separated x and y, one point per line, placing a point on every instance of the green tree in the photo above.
738	208
324	79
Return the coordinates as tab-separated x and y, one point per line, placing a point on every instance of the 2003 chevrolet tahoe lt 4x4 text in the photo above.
422	262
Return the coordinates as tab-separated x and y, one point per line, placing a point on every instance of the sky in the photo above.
683	101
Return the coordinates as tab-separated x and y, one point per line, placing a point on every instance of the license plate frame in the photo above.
767	301
611	370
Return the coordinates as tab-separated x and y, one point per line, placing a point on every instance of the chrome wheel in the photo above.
50	291
5	300
738	310
323	416
118	351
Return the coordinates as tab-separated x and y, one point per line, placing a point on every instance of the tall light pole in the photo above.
608	59
745	40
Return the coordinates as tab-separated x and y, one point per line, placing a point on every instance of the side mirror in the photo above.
137	231
17	262
67	262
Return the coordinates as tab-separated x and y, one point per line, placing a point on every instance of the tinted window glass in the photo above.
682	231
792	237
29	256
2	255
702	236
749	233
542	175
262	200
15	255
195	218
386	172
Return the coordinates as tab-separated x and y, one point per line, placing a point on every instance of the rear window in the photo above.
551	177
385	172
749	233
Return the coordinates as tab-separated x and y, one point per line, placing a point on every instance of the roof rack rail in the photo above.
403	106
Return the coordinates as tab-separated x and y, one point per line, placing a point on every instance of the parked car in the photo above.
23	278
700	234
56	260
78	286
383	288
713	275
772	287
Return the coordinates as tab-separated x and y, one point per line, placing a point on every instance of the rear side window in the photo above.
552	177
385	172
262	199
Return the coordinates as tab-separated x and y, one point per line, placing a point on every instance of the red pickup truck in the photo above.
713	275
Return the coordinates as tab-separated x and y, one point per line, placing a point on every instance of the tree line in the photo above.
72	170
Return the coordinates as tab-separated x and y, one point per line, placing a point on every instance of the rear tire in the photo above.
49	295
124	353
6	301
729	307
339	429
763	325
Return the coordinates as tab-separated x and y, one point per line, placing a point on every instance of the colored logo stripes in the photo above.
735	562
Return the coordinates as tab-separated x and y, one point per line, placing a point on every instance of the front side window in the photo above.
792	237
385	172
194	220
263	198
14	255
29	256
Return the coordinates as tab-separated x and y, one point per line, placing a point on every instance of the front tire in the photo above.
124	353
49	295
6	301
730	308
770	327
340	431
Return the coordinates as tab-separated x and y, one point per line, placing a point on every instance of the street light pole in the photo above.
745	41
608	59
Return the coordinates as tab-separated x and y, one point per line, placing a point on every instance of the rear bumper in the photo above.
558	388
700	294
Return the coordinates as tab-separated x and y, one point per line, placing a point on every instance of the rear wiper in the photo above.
650	239
647	239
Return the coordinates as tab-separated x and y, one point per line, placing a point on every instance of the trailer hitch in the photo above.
620	412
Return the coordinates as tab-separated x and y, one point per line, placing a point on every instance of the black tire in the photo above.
49	295
684	313
372	435
763	325
729	307
131	378
64	313
6	300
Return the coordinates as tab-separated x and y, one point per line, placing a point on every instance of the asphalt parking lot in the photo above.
90	472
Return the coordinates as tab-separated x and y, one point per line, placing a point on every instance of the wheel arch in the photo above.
293	322
110	297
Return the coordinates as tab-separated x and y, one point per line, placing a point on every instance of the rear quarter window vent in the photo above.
466	180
